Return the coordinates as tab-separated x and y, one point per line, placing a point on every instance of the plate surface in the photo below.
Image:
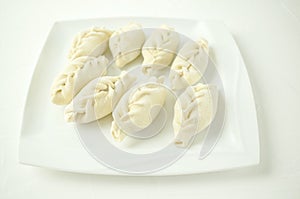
47	141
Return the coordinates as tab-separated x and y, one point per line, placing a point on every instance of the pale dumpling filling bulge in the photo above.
142	108
193	111
125	44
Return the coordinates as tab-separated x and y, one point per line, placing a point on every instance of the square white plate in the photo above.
47	141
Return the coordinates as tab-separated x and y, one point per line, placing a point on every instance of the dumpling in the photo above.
92	42
193	111
142	108
139	111
190	64
159	49
126	43
75	76
93	102
98	98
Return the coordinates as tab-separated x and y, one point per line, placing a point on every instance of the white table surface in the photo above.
268	35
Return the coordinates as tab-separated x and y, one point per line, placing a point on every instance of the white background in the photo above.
268	35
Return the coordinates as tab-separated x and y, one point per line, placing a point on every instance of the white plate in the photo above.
47	141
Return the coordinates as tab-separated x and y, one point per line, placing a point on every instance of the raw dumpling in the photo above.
92	42
98	98
139	111
189	65
193	111
126	43
75	76
160	49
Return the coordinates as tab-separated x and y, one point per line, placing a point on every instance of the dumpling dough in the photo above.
92	42
159	49
126	43
98	98
193	111
75	76
190	64
141	109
